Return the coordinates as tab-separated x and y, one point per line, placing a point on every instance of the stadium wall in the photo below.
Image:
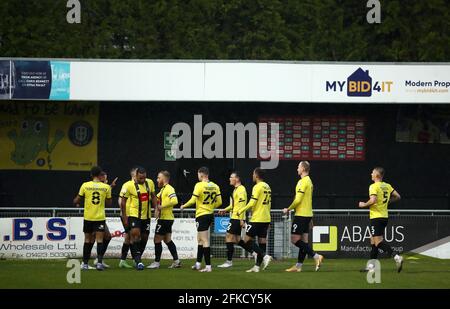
132	133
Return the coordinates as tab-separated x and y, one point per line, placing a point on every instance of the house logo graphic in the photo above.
325	238
359	84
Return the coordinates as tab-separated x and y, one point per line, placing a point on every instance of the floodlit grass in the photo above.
418	272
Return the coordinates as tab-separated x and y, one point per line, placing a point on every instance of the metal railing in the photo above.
278	240
63	211
327	201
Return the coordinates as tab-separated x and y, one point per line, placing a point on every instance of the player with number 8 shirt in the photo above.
95	194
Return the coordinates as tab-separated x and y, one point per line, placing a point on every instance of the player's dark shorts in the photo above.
94	226
204	222
142	224
234	227
125	228
377	226
300	225
259	229
163	227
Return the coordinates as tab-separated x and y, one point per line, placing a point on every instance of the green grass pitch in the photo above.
419	272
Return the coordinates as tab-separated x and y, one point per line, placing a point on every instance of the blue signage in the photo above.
221	224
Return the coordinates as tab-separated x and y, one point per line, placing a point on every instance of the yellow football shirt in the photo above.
167	198
206	197
123	190
95	193
145	198
303	198
382	191
260	202
237	203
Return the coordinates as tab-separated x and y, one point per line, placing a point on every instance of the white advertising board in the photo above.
225	81
47	238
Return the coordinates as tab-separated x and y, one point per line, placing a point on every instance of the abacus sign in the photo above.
315	138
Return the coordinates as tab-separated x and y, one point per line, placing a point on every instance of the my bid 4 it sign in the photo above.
359	84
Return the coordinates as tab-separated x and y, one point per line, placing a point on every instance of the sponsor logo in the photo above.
221	224
144	197
352	238
325	238
22	230
359	84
